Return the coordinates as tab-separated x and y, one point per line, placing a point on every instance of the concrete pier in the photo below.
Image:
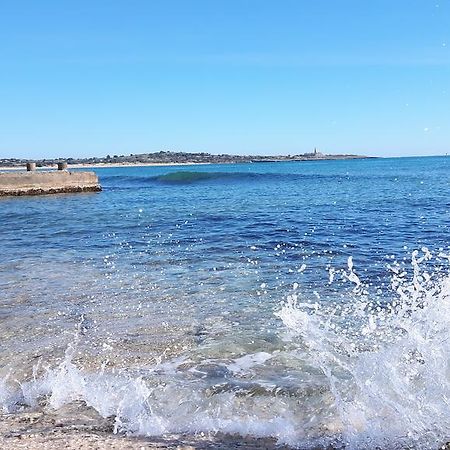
56	182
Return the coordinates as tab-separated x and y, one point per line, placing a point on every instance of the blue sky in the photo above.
85	78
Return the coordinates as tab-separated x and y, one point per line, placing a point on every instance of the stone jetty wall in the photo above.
36	183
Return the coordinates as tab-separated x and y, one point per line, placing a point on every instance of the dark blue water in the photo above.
189	266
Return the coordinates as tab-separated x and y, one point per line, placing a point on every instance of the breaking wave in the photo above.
190	177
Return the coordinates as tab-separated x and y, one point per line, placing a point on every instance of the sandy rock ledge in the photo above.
87	431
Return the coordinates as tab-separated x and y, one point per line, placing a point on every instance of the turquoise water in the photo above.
305	301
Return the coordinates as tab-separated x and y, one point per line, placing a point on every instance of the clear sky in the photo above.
92	77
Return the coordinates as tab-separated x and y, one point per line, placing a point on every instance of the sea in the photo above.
306	302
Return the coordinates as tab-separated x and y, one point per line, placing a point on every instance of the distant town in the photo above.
170	157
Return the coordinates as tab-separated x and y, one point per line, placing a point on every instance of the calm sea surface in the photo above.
305	301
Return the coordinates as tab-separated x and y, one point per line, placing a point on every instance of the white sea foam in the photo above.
246	362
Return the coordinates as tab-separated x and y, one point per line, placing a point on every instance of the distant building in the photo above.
314	154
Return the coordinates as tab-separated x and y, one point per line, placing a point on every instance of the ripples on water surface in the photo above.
306	301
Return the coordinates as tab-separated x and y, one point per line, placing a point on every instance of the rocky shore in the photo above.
77	427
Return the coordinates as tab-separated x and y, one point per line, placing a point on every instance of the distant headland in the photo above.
170	157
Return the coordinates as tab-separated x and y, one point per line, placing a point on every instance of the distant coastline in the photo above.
167	158
102	165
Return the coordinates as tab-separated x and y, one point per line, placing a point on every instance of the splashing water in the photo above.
387	366
349	372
